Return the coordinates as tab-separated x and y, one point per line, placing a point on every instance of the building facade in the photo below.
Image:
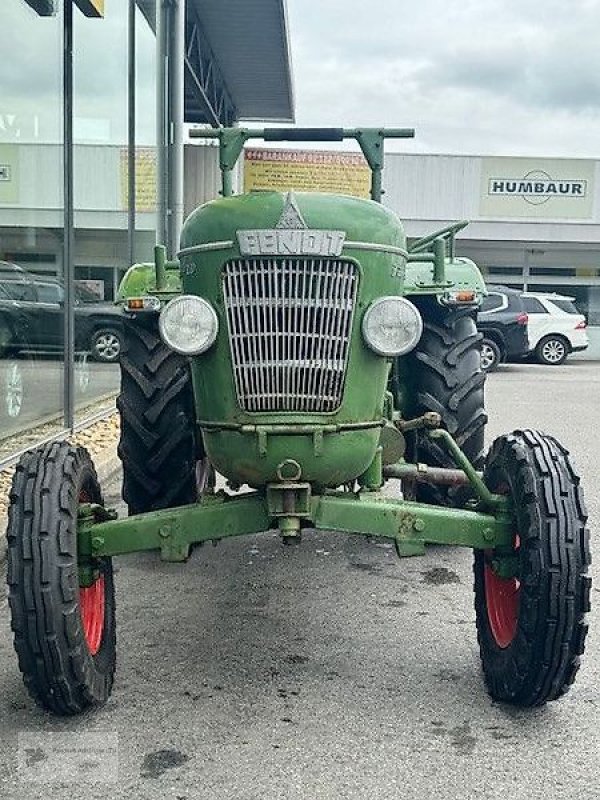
534	222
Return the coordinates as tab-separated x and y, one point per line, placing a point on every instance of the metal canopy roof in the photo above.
238	61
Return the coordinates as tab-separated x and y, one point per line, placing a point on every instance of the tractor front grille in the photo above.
289	331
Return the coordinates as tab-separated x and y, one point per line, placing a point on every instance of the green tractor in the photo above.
302	351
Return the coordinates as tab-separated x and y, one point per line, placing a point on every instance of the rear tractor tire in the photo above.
158	446
64	633
531	626
445	371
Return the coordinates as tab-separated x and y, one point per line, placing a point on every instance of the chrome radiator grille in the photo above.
289	330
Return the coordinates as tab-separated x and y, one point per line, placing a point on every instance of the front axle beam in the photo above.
173	531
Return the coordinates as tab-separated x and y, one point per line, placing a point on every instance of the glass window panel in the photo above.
491	302
565	305
533	306
31	226
100	132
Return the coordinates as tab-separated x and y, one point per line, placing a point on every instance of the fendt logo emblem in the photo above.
290	236
537	187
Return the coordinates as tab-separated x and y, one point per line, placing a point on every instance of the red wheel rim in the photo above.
91	604
91	608
502	602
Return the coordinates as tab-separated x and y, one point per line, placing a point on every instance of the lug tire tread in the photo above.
541	663
448	379
43	582
157	447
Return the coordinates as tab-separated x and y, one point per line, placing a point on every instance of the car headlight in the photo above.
188	324
392	326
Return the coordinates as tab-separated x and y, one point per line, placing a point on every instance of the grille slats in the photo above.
289	329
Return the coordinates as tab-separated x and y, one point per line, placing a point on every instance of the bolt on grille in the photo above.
289	330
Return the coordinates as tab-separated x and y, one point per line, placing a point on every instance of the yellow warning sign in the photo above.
145	179
306	171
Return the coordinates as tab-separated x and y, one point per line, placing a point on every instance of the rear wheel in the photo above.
445	371
531	618
64	633
491	355
552	350
158	445
106	345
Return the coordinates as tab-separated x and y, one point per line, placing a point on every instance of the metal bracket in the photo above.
289	499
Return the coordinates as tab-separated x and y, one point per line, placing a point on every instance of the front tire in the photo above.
64	634
531	626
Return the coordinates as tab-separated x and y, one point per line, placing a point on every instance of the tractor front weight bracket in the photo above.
173	531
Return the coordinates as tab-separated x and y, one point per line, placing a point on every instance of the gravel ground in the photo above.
100	439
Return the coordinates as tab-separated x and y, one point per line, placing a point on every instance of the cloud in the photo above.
505	76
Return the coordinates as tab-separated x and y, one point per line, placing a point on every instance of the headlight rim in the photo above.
405	302
196	351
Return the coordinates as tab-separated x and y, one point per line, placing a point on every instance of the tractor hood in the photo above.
279	224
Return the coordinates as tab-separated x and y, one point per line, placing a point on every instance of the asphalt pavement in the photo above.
328	670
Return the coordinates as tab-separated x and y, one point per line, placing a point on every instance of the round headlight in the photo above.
392	326
188	325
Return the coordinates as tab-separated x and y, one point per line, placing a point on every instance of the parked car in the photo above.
502	320
32	317
556	328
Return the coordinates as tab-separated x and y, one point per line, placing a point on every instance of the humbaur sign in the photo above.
537	187
291	236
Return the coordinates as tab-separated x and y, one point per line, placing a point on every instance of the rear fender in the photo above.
140	281
461	274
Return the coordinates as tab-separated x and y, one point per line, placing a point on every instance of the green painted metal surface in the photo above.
242	456
410	525
459	274
173	531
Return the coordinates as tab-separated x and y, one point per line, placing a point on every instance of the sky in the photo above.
498	77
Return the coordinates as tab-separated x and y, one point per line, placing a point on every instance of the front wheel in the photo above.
531	602
63	624
552	350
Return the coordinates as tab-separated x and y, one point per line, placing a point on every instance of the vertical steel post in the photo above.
170	58
175	79
439	261
131	135
376	187
526	269
161	122
227	183
68	221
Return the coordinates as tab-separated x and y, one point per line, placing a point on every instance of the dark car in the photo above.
32	317
503	322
